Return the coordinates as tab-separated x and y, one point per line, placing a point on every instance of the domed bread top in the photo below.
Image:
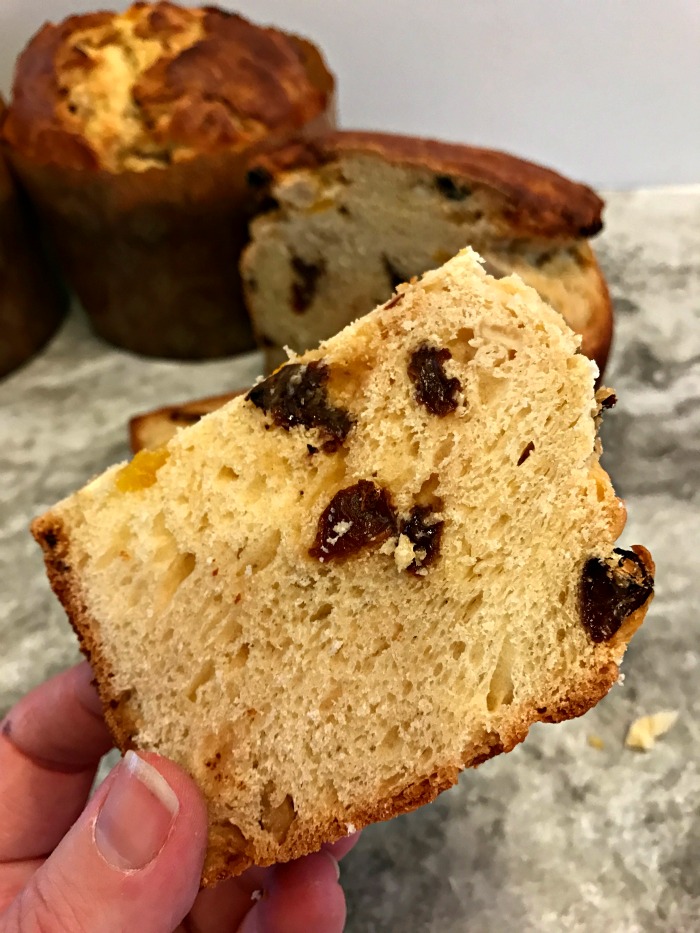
159	84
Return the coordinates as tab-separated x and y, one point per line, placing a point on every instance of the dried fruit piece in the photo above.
394	301
434	389
607	401
140	472
357	517
296	395
305	283
424	530
611	591
527	450
450	189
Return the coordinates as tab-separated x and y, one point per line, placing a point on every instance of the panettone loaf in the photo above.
379	566
132	132
355	213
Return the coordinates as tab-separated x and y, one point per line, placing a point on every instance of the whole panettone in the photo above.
132	133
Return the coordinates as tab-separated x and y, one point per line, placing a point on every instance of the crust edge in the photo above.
229	854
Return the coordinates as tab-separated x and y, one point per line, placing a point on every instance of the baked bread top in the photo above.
379	566
536	202
159	84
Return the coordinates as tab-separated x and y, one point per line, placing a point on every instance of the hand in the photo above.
130	858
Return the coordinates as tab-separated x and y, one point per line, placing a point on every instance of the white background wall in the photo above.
605	90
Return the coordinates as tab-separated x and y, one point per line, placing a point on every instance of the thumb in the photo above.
131	862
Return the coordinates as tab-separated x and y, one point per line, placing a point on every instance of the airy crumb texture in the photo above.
325	599
644	732
158	84
374	210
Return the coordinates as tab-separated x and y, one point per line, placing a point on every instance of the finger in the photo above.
341	848
222	909
133	860
301	897
50	745
14	877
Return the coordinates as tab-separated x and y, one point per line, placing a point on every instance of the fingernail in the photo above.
336	864
136	817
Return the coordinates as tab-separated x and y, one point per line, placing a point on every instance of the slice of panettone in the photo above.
380	566
351	214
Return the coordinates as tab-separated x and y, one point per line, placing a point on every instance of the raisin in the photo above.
305	283
449	188
358	517
258	177
394	301
611	591
527	450
434	389
395	276
296	395
425	534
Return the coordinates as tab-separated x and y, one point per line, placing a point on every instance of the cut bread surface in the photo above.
378	567
373	210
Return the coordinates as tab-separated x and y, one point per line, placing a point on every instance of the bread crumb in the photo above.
388	547
248	570
596	742
351	828
403	553
644	732
256	895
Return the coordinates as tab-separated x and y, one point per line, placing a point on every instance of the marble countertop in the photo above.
558	835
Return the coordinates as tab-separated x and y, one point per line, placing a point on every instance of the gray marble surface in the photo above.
558	835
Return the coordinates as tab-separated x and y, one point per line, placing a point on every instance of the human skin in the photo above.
129	857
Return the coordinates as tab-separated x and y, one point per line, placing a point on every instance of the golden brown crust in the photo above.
238	82
540	203
172	417
229	852
120	716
